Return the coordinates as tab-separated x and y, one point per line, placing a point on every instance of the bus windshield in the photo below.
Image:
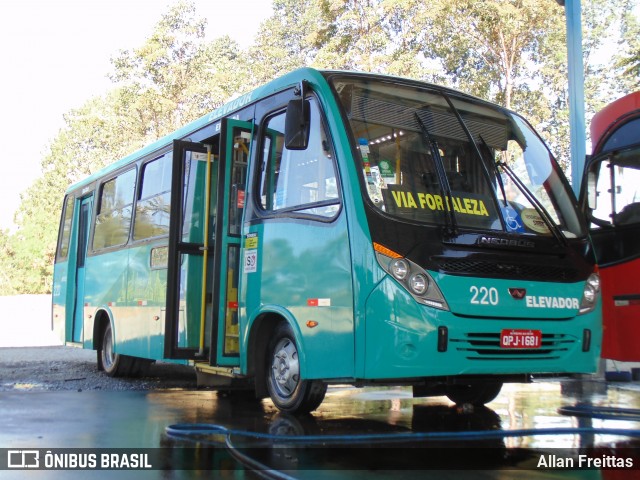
435	158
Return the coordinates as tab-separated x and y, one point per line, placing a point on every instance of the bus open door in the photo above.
611	199
204	247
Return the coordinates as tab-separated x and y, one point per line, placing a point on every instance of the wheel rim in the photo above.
285	369
108	357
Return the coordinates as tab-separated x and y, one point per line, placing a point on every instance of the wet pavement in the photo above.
355	433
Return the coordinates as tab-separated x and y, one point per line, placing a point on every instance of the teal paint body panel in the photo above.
402	340
134	296
304	274
147	287
108	292
490	297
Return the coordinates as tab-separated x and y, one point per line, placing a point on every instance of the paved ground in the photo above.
70	368
32	357
53	397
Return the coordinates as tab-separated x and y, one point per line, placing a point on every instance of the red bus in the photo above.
610	197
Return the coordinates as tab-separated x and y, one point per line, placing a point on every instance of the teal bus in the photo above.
335	228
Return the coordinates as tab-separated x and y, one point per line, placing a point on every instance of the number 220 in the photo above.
484	295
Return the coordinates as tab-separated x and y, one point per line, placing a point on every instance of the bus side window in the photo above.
154	199
65	229
617	190
296	180
114	211
627	195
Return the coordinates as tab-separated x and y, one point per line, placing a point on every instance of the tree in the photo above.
287	40
627	62
512	52
173	78
155	79
508	51
493	49
603	22
359	37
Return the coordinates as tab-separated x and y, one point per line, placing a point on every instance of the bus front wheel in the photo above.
475	394
287	390
112	363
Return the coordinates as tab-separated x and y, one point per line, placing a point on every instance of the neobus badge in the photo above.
506	242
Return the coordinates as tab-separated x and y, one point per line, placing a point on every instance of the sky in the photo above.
55	55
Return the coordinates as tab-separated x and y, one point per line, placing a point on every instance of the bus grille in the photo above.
486	346
508	270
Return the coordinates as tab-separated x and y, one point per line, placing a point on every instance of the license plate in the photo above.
520	338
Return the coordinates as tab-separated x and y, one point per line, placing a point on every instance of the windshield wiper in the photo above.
481	157
544	214
450	218
496	170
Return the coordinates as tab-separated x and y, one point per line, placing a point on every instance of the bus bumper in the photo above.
405	340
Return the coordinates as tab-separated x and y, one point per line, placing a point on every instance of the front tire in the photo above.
288	391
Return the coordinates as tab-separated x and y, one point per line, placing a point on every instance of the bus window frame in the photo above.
98	208
65	206
296	212
141	165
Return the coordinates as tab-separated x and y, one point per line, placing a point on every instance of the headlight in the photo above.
418	283
411	277
594	282
590	293
400	269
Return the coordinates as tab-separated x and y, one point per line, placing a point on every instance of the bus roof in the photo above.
274	86
607	119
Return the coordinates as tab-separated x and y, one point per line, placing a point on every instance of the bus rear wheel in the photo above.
475	394
288	391
113	364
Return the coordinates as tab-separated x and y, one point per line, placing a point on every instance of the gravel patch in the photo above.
70	368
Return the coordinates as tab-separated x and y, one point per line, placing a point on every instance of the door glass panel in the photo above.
240	157
83	235
63	247
194	197
190	302
189	283
235	147
231	346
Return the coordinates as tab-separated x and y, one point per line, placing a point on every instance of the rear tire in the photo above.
475	394
113	364
288	391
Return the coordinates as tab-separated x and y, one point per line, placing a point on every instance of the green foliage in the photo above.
509	51
610	33
628	60
173	78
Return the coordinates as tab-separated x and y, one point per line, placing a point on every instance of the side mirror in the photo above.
296	125
592	194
